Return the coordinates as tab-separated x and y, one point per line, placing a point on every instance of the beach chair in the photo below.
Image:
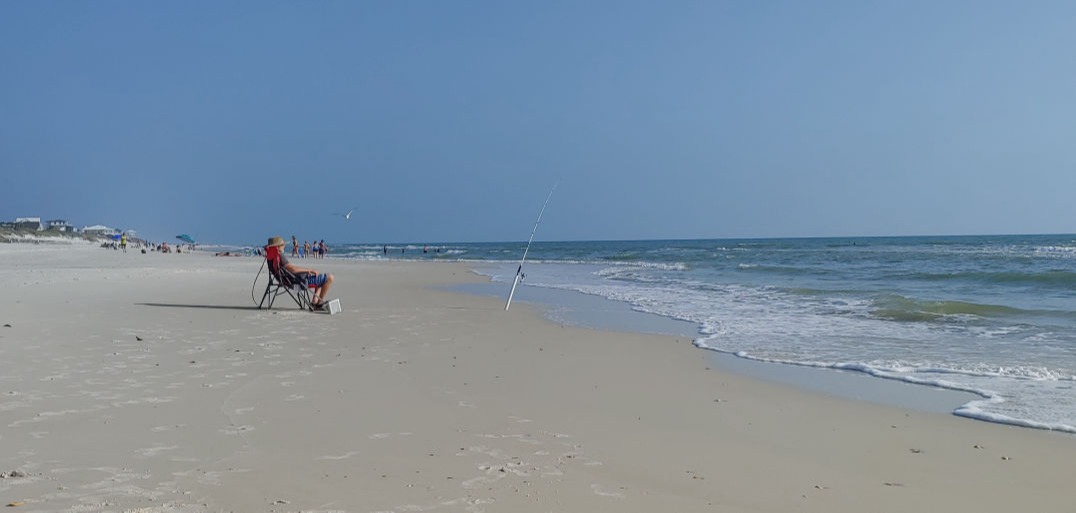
283	281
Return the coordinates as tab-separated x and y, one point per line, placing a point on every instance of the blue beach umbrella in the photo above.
185	238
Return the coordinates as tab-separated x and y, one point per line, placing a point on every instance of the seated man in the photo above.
321	282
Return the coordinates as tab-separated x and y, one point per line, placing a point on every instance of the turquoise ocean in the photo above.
990	315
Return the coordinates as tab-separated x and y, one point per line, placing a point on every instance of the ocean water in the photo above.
990	315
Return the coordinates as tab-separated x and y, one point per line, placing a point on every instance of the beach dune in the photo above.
151	382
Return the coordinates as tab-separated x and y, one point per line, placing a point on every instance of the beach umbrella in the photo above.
185	238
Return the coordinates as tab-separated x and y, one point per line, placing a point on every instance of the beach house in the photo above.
59	225
29	223
99	230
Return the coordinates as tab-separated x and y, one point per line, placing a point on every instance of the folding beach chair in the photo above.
283	281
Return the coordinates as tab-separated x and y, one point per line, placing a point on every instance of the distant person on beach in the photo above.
123	242
306	248
322	249
294	246
310	276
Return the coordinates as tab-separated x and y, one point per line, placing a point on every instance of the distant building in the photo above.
7	224
99	229
59	225
29	223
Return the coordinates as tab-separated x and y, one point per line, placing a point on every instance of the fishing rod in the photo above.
519	271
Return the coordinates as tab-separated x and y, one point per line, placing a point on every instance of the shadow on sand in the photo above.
211	307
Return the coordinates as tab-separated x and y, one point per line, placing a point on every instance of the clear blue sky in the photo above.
450	120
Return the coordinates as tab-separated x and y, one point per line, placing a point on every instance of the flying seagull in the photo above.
347	216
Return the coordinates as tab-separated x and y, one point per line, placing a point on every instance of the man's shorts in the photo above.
315	281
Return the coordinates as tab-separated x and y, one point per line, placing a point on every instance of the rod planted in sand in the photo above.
519	271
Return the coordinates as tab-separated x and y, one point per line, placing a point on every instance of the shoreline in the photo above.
151	383
596	312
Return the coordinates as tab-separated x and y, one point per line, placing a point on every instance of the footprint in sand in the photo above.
341	457
150	452
599	491
161	429
382	436
235	430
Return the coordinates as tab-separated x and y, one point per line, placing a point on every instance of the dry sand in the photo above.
151	383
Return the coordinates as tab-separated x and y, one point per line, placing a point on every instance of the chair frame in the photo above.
283	281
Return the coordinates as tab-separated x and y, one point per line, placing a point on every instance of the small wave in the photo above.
972	409
786	270
1056	251
704	343
899	308
1052	278
621	268
622	257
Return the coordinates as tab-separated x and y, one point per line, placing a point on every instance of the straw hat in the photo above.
276	241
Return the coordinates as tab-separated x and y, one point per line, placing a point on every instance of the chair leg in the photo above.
309	300
267	295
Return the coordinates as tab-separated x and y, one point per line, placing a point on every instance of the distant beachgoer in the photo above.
320	281
322	249
306	248
294	246
123	242
385	249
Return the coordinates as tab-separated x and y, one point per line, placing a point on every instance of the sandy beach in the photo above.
152	383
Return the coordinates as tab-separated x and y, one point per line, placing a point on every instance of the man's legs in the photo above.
323	290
